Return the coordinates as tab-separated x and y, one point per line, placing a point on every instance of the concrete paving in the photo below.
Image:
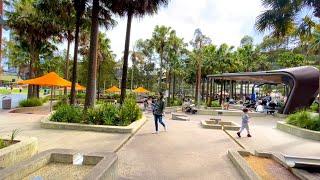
86	141
186	151
266	137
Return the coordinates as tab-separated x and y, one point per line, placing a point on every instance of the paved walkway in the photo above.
186	151
267	138
86	141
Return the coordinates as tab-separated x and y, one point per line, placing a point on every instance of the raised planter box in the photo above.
225	125
23	149
238	113
248	173
65	164
180	117
132	128
297	131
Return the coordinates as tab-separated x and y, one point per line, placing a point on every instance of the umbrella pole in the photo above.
51	99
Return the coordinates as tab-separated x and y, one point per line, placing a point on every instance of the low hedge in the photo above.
104	114
32	102
305	119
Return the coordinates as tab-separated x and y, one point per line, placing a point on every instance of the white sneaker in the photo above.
156	132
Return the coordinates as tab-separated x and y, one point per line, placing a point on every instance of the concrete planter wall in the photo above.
228	113
22	150
132	128
297	131
104	164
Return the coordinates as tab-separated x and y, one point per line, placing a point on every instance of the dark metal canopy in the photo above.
303	82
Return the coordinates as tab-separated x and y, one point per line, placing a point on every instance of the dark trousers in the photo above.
158	118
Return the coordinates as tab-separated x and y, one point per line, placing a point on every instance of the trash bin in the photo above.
6	102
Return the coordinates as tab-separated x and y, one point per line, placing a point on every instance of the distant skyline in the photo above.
224	21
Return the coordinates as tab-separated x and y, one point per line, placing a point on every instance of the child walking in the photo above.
245	123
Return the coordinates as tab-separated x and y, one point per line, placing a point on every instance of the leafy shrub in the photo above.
129	112
32	102
67	113
45	99
213	104
104	114
314	107
2	144
110	114
59	103
176	102
305	120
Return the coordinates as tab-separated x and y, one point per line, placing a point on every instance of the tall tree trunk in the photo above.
32	90
30	87
169	87
202	88
92	66
99	78
196	88
160	73
125	59
66	71
75	60
198	83
174	86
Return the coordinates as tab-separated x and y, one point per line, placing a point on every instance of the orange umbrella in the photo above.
50	79
78	87
141	90
113	89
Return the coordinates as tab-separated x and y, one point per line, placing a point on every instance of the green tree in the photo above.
160	38
33	29
131	8
79	6
199	41
100	14
64	12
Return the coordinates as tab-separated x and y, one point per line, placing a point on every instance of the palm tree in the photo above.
100	14
279	18
281	15
160	38
79	6
33	28
131	8
64	11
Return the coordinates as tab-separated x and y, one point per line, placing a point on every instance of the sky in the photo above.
224	21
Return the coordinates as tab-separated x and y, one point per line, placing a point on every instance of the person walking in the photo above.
158	109
245	123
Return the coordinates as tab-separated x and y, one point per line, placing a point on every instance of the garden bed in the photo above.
262	165
64	164
23	148
297	131
132	128
225	125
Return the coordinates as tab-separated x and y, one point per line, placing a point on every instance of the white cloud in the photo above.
224	21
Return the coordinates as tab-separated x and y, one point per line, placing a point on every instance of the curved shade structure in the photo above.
303	82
